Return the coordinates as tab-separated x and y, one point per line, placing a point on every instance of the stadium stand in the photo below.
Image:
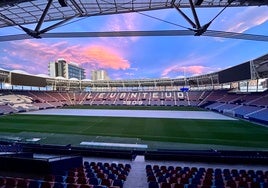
59	172
19	166
242	110
259	115
242	105
7	109
11	148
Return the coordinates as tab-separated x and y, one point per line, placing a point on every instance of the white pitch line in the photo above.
91	125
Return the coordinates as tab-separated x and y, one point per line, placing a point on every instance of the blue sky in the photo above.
143	57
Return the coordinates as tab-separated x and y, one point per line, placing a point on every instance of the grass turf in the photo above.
230	133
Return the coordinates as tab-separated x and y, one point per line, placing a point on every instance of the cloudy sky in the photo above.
143	57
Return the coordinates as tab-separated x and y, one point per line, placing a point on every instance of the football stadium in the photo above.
204	131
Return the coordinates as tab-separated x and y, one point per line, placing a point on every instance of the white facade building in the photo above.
66	70
99	75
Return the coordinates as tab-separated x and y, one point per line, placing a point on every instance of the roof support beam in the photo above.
115	5
8	22
78	8
62	3
99	5
185	16
198	2
198	26
57	24
40	22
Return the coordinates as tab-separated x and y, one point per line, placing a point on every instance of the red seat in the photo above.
81	180
243	184
11	182
70	179
71	185
49	177
101	175
2	181
165	185
71	173
255	185
231	184
106	182
151	178
22	183
178	185
122	177
173	179
46	184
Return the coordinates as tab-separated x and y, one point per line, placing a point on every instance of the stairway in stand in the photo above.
137	175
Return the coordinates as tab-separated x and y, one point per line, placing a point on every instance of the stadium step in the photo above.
137	175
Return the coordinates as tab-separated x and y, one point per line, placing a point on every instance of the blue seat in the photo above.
265	185
91	175
34	184
86	163
162	179
118	182
94	181
89	170
59	185
153	184
128	166
196	181
219	182
112	176
59	179
148	166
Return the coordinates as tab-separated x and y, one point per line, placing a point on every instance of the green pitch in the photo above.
175	131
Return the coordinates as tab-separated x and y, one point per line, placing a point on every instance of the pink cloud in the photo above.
192	70
35	55
193	65
123	22
105	57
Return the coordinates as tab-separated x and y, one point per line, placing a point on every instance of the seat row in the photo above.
170	177
11	182
94	175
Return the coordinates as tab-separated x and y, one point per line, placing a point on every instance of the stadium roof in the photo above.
23	12
261	65
30	11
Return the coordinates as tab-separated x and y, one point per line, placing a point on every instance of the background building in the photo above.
66	70
99	75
